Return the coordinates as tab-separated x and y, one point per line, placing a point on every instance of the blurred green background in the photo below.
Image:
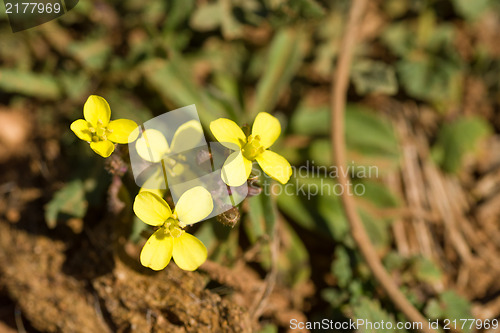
422	108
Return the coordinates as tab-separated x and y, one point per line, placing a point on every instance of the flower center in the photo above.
172	226
252	148
99	133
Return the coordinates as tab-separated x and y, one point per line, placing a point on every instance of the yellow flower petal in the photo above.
103	148
275	166
157	251
152	145
236	169
194	205
226	131
189	252
187	136
267	127
122	131
96	111
82	130
151	209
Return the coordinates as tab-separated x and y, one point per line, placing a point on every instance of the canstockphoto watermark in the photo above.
312	180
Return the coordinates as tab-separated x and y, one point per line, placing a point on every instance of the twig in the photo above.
340	80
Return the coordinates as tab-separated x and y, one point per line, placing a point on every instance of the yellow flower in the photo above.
238	166
99	131
170	240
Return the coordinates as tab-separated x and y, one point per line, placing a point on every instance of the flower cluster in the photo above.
170	239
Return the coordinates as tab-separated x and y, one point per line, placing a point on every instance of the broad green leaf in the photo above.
370	310
307	8
31	84
452	306
427	271
126	106
367	133
268	207
284	59
376	193
255	224
137	230
471	9
207	16
341	267
370	133
294	207
399	38
457	139
92	53
231	28
293	262
308	120
374	77
432	79
69	200
298	199
174	81
262	214
335	297
330	208
394	261
76	85
177	12
377	229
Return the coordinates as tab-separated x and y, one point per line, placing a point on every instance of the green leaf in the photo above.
370	133
399	38
285	57
341	267
206	17
174	81
293	262
76	85
69	200
231	28
367	133
432	79
370	310
374	77
377	229
177	12
311	120
457	139
471	9
92	53
307	9
452	306
255	224
330	208
137	230
427	271
335	297
293	206
41	86
376	193
299	198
